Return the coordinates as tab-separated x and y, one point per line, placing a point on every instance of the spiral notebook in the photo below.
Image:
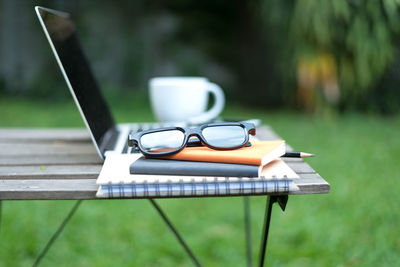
115	181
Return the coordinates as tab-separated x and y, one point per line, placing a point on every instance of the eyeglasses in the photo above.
171	140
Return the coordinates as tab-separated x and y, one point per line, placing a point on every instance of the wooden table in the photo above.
63	164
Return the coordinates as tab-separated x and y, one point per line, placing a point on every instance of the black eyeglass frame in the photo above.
133	139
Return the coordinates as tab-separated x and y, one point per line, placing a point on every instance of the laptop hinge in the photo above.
109	140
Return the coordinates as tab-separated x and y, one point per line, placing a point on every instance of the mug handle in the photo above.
216	109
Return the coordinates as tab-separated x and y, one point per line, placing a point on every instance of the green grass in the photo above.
356	224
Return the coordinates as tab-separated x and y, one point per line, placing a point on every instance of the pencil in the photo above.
297	155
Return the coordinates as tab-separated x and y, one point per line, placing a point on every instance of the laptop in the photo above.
107	136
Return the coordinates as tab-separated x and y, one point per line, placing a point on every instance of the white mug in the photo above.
184	99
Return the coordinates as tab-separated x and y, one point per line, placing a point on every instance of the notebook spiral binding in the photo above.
205	187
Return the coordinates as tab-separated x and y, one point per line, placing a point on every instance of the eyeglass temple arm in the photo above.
252	131
131	141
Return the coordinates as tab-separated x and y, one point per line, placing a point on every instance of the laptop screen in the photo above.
60	30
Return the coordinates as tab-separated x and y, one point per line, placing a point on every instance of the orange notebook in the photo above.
259	153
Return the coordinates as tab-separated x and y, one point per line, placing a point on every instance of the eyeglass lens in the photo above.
164	141
224	136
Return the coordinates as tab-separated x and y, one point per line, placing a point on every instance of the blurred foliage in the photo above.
309	54
341	49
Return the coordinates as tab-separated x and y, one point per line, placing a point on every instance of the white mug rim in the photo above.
176	81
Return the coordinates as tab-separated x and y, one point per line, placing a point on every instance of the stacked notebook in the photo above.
198	172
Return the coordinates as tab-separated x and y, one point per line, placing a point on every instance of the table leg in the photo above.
282	200
75	207
1	211
247	228
57	233
175	232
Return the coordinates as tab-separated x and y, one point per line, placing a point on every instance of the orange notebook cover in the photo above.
259	153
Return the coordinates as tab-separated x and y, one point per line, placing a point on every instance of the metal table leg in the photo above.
76	206
247	224
176	233
1	206
282	201
57	232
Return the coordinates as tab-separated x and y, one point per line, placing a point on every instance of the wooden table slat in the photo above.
47	189
300	167
311	183
66	159
54	148
51	171
28	135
